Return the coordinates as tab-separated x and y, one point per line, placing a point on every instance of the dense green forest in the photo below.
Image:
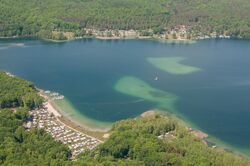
15	92
153	140
19	146
22	147
35	18
137	142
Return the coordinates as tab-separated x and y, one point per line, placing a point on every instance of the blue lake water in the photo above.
215	99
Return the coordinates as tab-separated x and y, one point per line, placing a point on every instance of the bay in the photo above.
206	83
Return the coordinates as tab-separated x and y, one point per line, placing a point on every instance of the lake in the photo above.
206	83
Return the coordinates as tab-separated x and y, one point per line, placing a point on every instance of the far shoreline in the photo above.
112	38
120	38
161	40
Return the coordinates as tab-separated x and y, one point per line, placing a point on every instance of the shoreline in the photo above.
106	38
70	123
126	38
208	139
101	136
68	112
159	39
100	133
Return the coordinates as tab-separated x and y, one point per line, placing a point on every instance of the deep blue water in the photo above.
216	99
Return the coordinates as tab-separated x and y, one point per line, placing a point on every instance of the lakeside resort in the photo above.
47	118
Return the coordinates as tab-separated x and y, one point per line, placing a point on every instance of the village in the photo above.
176	33
179	33
77	142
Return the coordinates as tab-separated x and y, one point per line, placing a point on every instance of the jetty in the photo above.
53	95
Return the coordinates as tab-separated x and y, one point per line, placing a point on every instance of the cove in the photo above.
206	82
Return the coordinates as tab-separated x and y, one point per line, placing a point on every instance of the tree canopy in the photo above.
39	18
16	92
137	142
19	146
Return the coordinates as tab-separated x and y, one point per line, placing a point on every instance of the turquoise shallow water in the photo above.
207	83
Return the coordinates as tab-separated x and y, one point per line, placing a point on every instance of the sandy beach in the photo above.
51	109
70	123
48	104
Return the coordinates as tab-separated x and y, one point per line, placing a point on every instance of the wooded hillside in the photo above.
40	18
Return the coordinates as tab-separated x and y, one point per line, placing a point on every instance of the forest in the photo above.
19	146
151	141
139	142
15	92
33	18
